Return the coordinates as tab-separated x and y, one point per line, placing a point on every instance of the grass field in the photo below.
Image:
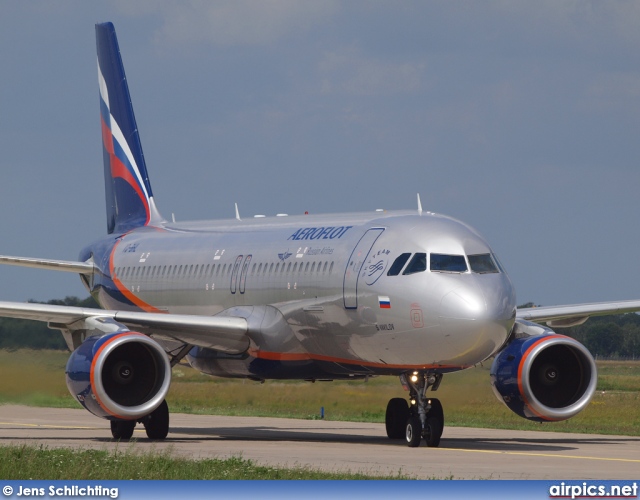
27	462
37	378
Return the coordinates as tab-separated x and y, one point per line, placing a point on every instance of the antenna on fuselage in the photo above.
237	213
419	205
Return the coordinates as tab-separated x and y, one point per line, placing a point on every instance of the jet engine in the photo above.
543	377
121	375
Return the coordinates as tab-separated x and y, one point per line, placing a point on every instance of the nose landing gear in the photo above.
424	418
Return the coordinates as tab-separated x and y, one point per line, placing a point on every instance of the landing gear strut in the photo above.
424	418
156	424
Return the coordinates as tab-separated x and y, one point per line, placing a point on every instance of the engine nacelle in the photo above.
123	375
545	377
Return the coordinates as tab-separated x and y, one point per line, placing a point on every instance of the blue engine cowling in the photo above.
121	375
546	377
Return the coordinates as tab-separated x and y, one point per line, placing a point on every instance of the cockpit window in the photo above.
482	263
447	263
417	264
398	264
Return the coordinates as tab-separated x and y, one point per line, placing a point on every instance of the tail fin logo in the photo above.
127	188
121	160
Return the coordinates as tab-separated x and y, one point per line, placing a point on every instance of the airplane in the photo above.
413	294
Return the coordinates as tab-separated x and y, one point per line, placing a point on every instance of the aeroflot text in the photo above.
319	233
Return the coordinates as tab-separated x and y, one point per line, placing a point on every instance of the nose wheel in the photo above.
423	418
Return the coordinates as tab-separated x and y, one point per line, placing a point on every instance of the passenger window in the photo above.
418	264
447	263
482	263
398	264
331	268
324	269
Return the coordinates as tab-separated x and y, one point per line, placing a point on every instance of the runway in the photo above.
464	453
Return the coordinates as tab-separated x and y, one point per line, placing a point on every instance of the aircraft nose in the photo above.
500	303
477	316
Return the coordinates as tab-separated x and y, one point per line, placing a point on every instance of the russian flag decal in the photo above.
385	302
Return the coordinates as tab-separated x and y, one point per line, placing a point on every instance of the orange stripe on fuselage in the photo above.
124	290
302	356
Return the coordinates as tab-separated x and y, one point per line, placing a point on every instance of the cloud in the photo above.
349	71
233	22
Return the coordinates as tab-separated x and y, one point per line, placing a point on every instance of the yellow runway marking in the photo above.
491	452
546	455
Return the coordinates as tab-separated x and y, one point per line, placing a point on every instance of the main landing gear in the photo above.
156	424
424	418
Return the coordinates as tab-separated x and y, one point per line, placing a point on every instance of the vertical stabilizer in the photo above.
127	187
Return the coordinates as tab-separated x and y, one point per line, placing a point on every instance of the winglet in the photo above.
419	205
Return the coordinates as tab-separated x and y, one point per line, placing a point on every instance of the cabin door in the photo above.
355	264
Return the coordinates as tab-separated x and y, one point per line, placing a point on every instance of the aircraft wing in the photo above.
222	333
573	315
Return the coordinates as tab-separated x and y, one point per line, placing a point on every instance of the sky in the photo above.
519	118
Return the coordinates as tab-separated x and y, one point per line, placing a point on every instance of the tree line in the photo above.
605	336
616	336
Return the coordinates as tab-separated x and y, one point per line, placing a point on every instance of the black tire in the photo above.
122	429
433	432
435	424
156	424
413	431
396	418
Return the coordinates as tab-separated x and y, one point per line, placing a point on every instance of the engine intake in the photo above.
124	375
544	378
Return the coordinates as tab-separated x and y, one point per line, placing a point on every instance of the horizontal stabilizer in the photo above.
52	265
